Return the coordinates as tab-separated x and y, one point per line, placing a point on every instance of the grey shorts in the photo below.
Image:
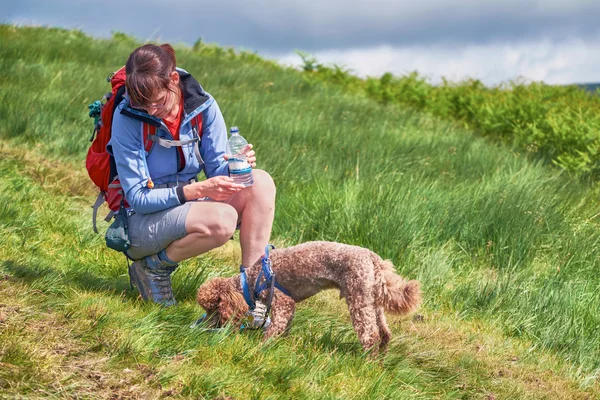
151	233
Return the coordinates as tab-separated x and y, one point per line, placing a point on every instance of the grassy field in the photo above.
505	247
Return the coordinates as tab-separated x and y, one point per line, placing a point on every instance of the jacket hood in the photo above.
193	94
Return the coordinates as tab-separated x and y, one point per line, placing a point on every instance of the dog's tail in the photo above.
399	296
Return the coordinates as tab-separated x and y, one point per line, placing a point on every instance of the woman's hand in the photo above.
250	155
219	188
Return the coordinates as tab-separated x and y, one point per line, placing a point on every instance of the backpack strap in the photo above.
149	132
197	132
171	143
102	196
99	201
197	125
151	138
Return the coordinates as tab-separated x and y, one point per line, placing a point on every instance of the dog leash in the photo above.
267	276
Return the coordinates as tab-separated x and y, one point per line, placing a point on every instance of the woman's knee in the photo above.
218	222
264	182
223	222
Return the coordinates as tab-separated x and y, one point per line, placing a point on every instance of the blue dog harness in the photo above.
267	276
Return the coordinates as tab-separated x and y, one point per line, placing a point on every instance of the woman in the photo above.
173	217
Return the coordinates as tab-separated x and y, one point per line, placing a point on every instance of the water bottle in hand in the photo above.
239	168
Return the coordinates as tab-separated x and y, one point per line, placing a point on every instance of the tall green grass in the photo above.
495	238
69	326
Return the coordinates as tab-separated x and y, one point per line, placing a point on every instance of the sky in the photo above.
495	41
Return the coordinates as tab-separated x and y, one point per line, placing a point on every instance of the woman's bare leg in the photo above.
209	225
255	206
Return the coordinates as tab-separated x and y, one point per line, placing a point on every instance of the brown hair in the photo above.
148	70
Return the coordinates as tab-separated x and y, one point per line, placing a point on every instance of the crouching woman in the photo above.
173	217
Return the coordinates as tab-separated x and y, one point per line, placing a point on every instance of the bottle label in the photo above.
238	166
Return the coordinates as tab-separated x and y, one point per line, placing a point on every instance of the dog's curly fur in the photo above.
369	284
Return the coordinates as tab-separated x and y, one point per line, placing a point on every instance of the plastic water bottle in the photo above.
239	168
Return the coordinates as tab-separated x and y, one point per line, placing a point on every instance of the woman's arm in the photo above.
214	142
126	146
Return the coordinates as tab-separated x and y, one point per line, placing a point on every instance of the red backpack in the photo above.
100	164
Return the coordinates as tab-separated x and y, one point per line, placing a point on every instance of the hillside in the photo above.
506	247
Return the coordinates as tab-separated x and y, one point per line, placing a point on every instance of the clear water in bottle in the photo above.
239	168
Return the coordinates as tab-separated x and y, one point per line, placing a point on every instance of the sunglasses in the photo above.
158	105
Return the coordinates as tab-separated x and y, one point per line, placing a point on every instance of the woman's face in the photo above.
166	103
162	106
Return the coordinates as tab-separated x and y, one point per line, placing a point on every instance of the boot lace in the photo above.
162	278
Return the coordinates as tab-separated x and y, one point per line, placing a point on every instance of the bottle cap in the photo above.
234	129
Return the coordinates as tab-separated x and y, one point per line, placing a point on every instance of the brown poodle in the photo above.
369	284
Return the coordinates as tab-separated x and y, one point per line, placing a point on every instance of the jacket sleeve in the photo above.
126	145
214	142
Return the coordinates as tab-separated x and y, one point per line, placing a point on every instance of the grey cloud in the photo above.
280	26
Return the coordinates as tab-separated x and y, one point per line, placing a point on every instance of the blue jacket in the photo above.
135	166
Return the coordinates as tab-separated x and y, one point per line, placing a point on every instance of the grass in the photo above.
558	124
505	247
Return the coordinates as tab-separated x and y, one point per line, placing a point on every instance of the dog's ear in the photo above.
232	305
209	294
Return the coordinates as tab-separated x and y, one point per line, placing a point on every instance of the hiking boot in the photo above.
257	318
154	284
